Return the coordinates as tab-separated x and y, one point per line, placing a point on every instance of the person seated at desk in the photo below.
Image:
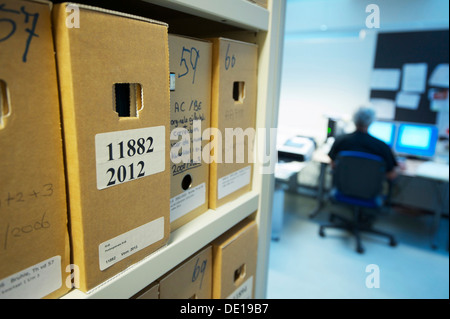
361	141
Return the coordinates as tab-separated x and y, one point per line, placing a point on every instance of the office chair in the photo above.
358	182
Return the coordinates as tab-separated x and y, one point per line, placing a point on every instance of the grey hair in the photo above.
364	116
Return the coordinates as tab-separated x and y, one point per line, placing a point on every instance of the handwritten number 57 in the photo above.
13	28
29	18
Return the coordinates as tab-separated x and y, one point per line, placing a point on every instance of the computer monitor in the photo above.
418	140
384	131
332	127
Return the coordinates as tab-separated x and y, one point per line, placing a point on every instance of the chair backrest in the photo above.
359	174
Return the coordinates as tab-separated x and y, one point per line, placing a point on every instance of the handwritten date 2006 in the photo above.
25	229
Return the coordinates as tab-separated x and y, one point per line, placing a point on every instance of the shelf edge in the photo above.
239	13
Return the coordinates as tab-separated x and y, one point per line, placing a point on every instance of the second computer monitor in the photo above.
417	140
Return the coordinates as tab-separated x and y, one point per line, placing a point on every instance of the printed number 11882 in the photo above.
128	155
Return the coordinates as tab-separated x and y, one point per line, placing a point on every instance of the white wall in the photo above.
329	54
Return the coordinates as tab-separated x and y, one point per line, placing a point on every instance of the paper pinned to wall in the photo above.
439	105
385	79
408	100
439	100
384	108
414	77
442	123
439	77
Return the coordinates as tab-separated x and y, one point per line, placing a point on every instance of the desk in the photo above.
424	185
321	156
420	184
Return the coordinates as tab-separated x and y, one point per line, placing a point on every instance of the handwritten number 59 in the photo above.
194	55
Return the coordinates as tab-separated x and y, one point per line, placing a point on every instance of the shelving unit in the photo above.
251	23
237	13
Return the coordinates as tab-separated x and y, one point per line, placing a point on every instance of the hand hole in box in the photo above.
5	105
239	274
186	183
128	99
239	91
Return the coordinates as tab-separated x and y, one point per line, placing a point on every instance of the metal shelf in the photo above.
183	243
238	13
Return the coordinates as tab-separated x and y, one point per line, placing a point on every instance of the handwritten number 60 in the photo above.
229	61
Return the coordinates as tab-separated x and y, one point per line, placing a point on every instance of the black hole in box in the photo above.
122	91
5	108
239	273
238	91
128	99
186	182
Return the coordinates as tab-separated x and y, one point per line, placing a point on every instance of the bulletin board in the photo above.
404	62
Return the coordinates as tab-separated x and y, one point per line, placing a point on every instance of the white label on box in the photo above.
124	156
244	291
34	282
234	181
187	201
122	246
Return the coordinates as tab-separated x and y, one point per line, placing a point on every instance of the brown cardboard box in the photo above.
190	99
150	292
114	75
34	242
190	280
234	262
262	3
234	108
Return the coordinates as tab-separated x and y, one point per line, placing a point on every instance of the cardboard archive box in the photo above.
233	109
114	75
234	262
150	292
190	280
262	3
34	242
190	100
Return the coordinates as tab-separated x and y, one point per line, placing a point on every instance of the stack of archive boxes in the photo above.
114	144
